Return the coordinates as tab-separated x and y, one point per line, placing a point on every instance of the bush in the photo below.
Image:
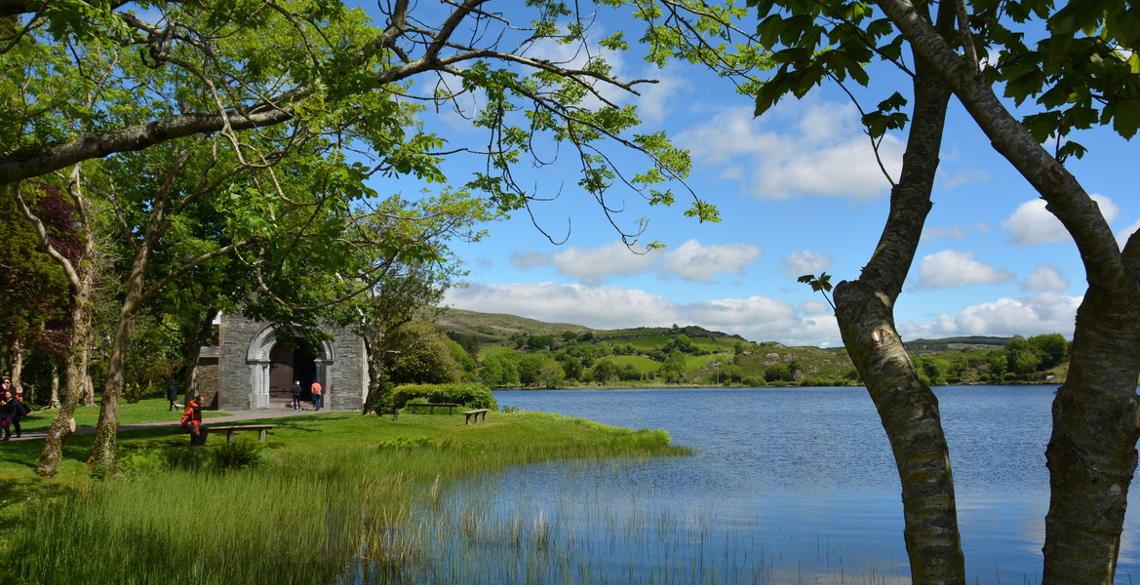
469	395
236	455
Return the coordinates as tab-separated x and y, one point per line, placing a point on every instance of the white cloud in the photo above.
654	104
694	261
593	265
1043	313
950	268
1031	223
1123	235
757	317
1045	278
801	262
820	150
592	306
953	232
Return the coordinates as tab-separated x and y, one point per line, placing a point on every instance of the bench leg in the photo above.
261	435
229	436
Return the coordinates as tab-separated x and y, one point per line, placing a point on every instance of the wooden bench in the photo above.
468	415
431	406
262	430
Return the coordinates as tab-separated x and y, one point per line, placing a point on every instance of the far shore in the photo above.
742	387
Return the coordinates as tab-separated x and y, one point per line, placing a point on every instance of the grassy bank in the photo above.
329	491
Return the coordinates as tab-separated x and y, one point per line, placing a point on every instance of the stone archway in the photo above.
259	358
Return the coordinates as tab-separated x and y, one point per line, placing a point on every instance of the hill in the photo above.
508	350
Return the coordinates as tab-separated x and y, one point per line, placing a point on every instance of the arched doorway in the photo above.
289	360
273	366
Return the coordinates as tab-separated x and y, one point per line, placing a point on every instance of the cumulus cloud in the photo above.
694	261
757	317
1123	235
1045	278
1031	223
594	264
1043	313
801	262
950	268
592	306
819	149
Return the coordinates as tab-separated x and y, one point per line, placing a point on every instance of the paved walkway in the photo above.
267	413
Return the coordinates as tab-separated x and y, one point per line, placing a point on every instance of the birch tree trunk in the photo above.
907	407
1092	450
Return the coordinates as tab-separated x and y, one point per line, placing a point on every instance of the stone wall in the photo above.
343	375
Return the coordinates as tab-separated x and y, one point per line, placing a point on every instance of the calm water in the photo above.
786	486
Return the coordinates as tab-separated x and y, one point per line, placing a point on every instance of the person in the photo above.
5	415
192	421
18	411
296	392
172	395
316	390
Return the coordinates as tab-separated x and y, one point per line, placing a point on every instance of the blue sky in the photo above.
798	191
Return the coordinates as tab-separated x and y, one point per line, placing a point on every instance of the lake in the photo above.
785	486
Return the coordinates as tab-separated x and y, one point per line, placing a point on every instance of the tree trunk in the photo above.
75	370
102	457
88	383
54	400
17	366
1092	451
865	311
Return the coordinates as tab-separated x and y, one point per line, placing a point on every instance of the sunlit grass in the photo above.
328	497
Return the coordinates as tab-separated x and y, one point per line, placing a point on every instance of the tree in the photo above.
828	42
1081	73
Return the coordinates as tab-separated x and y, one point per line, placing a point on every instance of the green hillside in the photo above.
512	351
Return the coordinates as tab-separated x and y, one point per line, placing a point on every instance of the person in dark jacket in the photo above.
18	411
192	421
296	392
172	395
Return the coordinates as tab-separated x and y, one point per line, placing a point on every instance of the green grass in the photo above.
146	410
694	363
643	364
329	493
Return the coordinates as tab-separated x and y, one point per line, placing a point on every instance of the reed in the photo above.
322	508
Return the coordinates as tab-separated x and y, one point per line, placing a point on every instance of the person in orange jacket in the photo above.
192	421
318	394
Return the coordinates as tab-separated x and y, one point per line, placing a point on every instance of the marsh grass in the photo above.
326	505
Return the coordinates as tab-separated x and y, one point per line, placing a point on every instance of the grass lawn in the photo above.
364	475
147	410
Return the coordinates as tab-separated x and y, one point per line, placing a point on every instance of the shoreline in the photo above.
741	387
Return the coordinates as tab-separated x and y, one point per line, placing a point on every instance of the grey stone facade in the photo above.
244	364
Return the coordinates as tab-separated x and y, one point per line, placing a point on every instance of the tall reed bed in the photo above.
324	515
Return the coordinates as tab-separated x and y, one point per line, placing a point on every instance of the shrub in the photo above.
236	455
469	395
